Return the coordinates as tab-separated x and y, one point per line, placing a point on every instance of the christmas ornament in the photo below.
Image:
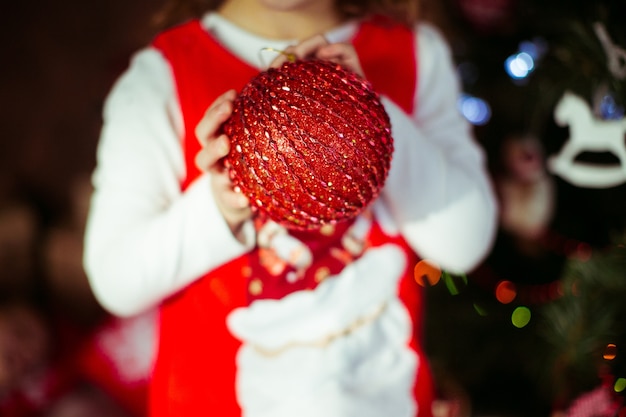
310	144
590	134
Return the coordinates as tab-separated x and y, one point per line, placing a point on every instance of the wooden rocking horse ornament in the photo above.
588	133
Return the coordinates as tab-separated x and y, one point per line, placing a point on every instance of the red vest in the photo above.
195	369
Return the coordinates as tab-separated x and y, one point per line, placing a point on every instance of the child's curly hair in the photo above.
405	11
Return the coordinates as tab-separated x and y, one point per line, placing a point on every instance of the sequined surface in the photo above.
311	144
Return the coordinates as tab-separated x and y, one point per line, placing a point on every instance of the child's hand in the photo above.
319	47
233	205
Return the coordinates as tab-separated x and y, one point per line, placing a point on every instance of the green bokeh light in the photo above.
480	310
520	317
620	384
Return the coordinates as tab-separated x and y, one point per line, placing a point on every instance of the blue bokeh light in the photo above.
609	109
522	63
519	65
476	110
535	48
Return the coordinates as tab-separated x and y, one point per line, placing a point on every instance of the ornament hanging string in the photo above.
290	57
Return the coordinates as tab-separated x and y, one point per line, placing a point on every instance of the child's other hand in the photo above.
319	47
233	205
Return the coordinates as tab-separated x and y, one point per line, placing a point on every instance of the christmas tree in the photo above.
537	327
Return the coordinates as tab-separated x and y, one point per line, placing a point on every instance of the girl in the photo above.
166	228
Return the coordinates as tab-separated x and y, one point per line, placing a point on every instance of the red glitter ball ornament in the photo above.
310	144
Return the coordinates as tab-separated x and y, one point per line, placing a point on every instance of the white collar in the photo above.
256	50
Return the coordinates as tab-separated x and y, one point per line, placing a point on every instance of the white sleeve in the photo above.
145	238
438	188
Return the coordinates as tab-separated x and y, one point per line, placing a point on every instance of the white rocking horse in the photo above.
587	133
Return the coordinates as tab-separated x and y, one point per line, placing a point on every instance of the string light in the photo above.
520	317
506	292
609	109
620	385
426	273
522	63
519	65
476	110
610	352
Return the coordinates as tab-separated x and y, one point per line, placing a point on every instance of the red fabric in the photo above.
195	369
412	296
277	285
112	359
98	368
198	63
33	396
55	381
194	374
386	52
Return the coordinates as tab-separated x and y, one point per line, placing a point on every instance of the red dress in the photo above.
195	372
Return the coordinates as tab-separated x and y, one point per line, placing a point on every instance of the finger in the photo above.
305	49
343	54
308	47
215	115
236	200
231	197
334	51
203	160
209	157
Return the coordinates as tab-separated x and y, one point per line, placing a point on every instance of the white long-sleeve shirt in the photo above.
146	239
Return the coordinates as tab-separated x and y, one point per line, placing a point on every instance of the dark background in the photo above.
59	61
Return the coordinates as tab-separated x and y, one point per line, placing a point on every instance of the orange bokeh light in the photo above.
610	352
426	273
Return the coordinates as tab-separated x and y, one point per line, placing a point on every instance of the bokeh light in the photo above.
609	109
620	384
536	48
530	48
520	317
522	63
474	109
519	65
426	273
556	290
480	310
451	283
583	251
610	352
506	291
